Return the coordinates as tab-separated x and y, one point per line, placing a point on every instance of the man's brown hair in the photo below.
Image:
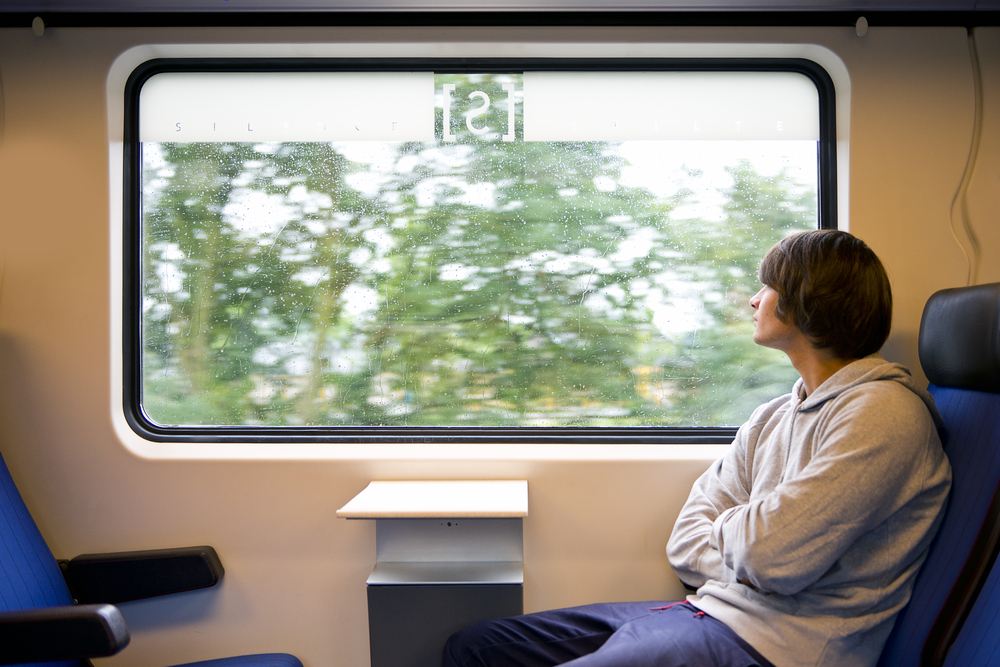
833	288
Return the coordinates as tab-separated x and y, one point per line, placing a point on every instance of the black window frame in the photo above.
132	252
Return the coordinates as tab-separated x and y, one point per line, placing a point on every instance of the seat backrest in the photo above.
976	642
960	354
30	577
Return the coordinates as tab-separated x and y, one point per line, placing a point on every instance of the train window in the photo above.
465	251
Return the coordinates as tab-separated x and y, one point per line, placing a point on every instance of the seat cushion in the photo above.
259	660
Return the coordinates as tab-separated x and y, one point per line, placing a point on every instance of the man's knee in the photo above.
461	648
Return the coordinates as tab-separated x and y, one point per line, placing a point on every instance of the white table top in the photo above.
439	499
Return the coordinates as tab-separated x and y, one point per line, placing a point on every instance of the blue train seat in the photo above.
40	621
959	346
976	641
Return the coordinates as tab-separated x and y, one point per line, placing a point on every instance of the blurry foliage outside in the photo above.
478	282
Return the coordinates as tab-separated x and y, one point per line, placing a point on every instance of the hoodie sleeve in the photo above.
725	485
875	451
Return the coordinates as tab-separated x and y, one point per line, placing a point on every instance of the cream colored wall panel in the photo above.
983	205
53	315
911	129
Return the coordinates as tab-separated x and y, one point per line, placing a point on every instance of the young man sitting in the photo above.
804	540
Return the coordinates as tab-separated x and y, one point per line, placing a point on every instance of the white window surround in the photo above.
133	57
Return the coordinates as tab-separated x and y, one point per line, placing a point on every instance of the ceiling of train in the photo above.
170	6
40	15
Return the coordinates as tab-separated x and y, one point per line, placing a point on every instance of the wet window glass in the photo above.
544	249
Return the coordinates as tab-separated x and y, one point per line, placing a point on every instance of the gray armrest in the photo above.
133	575
61	633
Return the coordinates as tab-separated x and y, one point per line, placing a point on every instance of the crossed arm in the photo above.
777	515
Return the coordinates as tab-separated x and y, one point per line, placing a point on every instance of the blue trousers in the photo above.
616	634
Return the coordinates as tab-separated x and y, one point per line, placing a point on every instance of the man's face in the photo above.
769	330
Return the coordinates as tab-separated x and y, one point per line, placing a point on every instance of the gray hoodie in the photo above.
805	538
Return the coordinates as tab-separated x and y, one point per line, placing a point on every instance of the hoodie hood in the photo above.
873	368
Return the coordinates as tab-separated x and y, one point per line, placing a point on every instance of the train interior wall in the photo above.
599	518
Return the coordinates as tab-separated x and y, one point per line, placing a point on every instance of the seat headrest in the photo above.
960	338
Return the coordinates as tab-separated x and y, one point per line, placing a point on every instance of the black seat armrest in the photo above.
61	633
133	575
